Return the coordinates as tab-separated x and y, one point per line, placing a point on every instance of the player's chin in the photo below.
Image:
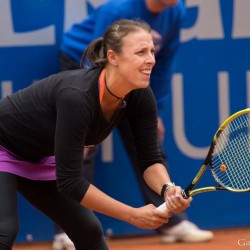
143	83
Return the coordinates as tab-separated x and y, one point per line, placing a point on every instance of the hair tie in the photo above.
116	28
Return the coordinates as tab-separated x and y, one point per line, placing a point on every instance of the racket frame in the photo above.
187	192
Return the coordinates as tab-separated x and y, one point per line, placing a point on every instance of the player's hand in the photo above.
148	217
174	200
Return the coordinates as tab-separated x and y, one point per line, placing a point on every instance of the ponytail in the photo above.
95	54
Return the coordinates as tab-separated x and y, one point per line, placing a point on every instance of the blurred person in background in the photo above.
165	18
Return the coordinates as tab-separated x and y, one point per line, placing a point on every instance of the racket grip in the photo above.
162	207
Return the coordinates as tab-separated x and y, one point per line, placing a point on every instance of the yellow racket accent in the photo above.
199	174
228	120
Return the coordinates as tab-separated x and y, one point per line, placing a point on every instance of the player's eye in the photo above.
141	52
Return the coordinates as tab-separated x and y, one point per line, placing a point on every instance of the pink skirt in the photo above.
44	169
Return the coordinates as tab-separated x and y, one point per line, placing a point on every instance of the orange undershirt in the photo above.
102	84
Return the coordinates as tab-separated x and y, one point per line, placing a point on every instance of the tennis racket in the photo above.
228	158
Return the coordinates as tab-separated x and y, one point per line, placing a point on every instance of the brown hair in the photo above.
96	52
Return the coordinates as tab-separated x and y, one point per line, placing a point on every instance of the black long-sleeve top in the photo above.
61	114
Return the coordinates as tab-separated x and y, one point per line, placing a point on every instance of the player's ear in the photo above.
112	57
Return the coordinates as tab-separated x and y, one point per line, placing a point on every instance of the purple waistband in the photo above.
44	169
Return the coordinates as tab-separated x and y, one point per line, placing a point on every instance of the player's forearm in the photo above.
156	176
104	204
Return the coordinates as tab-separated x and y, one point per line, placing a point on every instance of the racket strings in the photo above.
229	176
232	152
237	153
238	150
235	176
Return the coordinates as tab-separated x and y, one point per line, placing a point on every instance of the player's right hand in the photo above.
148	217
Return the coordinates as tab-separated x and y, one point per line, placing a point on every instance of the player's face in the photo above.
135	63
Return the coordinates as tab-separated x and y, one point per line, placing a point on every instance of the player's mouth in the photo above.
146	72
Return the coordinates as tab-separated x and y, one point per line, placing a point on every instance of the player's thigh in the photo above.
8	210
75	219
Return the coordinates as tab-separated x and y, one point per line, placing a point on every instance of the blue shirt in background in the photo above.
165	29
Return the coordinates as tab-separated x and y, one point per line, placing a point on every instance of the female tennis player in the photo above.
45	127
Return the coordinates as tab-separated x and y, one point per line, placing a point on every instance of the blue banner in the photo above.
211	80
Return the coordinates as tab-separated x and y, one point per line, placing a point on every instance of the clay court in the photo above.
228	239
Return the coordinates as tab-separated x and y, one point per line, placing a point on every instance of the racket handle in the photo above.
162	207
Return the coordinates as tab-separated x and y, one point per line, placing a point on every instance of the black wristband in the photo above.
165	188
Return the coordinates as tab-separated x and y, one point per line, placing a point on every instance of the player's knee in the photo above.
94	239
8	233
98	237
95	230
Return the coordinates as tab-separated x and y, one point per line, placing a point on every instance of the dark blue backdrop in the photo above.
211	81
